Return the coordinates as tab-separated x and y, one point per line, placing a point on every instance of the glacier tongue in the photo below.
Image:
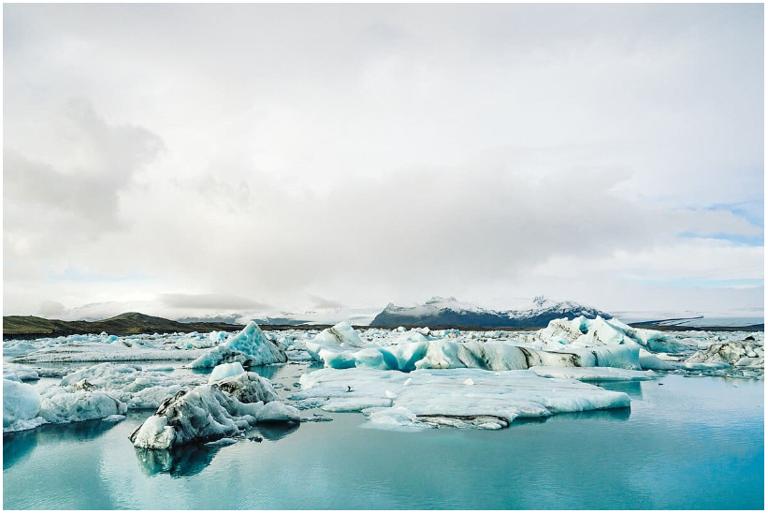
457	397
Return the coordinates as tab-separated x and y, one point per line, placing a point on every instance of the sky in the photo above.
200	159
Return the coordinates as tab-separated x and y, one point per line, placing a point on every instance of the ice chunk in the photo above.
342	334
332	345
340	347
98	352
132	384
430	398
212	411
18	347
578	343
225	370
250	348
60	405
593	373
20	373
747	353
21	406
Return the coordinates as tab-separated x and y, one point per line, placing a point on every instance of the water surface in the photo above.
686	443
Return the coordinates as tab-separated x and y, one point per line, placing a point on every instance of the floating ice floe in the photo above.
60	405
98	352
250	348
457	397
746	353
21	406
104	347
19	373
598	332
594	373
138	387
25	408
208	412
579	343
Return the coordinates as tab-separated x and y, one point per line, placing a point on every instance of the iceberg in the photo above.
59	405
20	373
25	408
473	398
250	348
99	352
132	384
585	332
341	334
21	406
746	353
208	412
581	342
225	370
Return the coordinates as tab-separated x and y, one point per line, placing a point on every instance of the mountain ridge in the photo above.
438	312
128	323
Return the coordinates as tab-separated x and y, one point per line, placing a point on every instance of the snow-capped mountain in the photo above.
445	312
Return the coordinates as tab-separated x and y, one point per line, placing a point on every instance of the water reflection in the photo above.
611	415
191	459
631	388
18	446
187	460
274	431
265	371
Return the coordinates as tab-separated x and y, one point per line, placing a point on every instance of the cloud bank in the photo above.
191	158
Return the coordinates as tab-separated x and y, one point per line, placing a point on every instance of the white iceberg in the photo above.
136	386
579	343
746	353
212	411
60	405
250	348
584	332
21	406
99	352
19	373
342	334
457	397
25	408
225	370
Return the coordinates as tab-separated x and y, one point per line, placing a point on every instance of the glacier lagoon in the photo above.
686	442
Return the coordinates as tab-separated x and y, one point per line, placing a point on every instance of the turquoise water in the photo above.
688	443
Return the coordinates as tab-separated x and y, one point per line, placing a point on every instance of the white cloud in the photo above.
387	153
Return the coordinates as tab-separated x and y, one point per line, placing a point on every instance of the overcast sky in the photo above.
212	158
